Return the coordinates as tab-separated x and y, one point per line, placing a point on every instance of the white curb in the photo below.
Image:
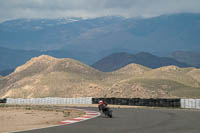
88	115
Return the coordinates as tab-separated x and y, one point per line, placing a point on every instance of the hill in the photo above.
168	81
195	74
189	57
173	73
119	60
46	76
132	69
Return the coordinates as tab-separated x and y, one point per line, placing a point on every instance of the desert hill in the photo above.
170	81
173	73
195	74
46	76
132	69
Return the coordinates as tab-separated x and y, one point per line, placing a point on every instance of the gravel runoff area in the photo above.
26	117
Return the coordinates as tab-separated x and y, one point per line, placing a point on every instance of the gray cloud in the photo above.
12	9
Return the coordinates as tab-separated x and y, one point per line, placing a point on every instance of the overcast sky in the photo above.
12	9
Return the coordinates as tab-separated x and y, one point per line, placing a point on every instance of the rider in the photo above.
102	106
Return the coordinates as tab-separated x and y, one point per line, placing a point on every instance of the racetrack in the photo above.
135	121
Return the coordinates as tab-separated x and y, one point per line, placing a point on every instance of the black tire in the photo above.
108	113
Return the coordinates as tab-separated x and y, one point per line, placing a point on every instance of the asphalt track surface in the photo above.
134	121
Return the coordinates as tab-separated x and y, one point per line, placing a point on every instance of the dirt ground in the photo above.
17	119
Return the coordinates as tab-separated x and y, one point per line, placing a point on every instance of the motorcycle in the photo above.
108	112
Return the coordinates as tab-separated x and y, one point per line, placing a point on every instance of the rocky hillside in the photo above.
118	60
45	76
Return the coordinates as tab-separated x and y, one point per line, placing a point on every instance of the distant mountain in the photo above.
12	58
89	40
47	34
35	34
6	72
188	57
119	60
45	76
159	35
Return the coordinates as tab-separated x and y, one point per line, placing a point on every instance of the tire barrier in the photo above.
175	103
49	100
3	100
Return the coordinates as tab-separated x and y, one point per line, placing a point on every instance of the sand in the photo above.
17	119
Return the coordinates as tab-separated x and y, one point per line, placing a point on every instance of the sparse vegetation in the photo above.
46	76
26	117
66	112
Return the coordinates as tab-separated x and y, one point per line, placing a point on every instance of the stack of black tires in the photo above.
3	100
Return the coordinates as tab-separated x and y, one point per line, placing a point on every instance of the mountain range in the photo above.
89	40
93	39
10	59
46	76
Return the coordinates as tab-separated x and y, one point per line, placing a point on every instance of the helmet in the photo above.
100	102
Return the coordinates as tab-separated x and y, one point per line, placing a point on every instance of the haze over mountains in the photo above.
45	76
89	40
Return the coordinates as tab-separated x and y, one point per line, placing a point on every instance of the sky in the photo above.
14	9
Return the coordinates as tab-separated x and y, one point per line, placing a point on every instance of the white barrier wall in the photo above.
190	103
49	100
185	103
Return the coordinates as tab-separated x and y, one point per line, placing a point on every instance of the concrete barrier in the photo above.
49	100
190	103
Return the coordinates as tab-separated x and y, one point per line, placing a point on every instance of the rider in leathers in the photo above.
102	106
